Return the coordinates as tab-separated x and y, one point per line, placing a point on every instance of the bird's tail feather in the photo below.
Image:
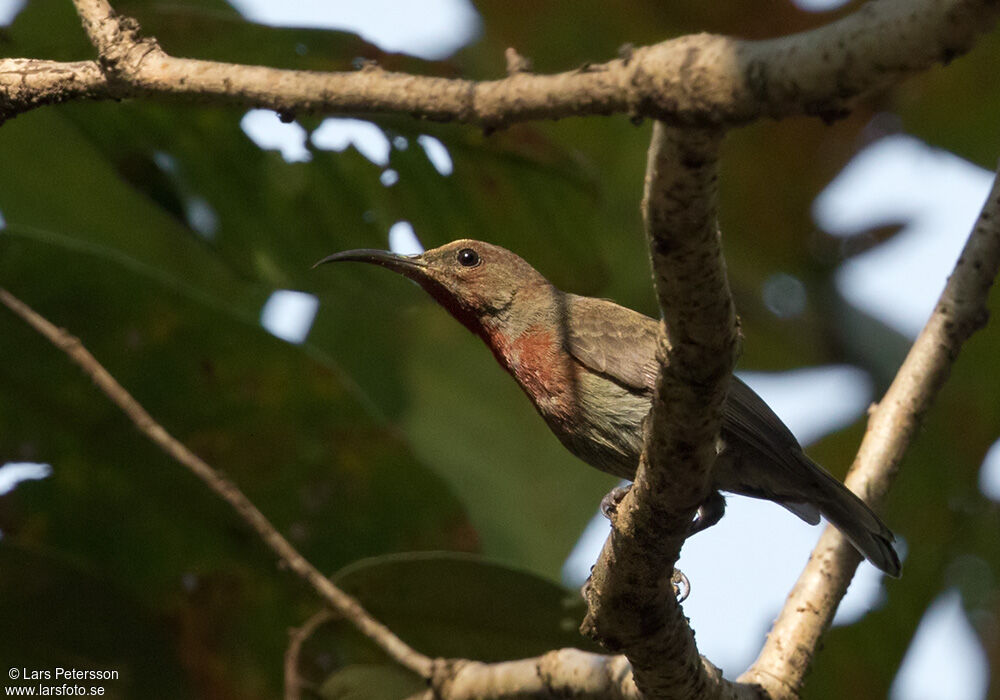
864	529
856	521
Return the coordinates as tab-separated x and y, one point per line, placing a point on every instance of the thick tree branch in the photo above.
698	80
631	602
960	311
344	604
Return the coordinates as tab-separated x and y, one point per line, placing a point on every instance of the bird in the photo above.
589	367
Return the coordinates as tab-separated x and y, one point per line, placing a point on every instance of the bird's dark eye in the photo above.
467	257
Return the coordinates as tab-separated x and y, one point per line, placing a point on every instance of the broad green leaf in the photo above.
371	682
459	606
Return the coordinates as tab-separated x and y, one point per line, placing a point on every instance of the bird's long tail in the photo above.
865	530
858	523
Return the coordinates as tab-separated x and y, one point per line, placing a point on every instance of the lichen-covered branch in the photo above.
27	83
699	80
632	608
960	311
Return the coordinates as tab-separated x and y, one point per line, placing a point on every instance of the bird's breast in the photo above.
596	419
542	368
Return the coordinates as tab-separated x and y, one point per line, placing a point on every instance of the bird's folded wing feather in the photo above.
753	422
621	344
612	340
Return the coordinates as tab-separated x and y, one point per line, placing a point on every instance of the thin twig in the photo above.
296	638
341	602
960	312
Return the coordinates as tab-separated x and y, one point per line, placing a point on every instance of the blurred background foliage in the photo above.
391	430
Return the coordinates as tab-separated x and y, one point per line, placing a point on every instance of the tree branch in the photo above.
27	83
698	80
960	311
632	608
561	673
344	604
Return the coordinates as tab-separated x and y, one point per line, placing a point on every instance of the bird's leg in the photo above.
609	504
709	513
678	581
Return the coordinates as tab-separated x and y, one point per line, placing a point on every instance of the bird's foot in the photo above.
682	587
612	499
709	513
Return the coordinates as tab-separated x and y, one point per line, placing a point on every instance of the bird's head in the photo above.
473	280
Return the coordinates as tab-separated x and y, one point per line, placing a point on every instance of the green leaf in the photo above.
443	605
370	682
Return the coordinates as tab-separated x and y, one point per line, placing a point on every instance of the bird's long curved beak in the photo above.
403	264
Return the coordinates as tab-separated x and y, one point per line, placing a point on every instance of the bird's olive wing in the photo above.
611	340
621	344
753	422
750	426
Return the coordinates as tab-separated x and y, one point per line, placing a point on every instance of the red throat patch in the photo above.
540	365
